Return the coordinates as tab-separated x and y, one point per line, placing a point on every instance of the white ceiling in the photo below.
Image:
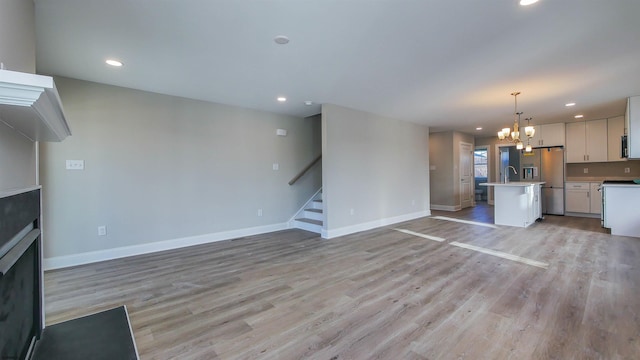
447	64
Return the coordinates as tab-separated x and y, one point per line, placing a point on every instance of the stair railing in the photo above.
304	171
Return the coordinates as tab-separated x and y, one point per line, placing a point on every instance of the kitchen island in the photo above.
516	203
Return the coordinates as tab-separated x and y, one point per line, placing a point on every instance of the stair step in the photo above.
314	214
317	204
310	221
309	225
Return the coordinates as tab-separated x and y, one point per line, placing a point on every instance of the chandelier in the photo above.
514	135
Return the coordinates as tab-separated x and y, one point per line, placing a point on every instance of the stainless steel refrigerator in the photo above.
546	164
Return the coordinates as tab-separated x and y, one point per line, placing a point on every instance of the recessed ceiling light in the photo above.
282	98
114	62
570	104
579	116
527	2
308	103
281	40
478	128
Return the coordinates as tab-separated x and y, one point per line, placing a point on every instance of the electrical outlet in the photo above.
276	166
586	170
352	211
627	170
259	212
75	165
102	230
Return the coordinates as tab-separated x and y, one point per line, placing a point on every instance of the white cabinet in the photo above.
548	135
632	123
577	194
583	197
516	203
621	209
586	141
595	198
615	130
536	210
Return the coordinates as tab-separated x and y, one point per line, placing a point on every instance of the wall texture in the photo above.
17	52
162	168
375	170
17	160
18	35
444	154
441	163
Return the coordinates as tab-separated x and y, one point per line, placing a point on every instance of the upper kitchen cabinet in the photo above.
615	131
586	141
548	135
632	122
30	105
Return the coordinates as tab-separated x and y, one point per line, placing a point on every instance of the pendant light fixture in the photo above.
529	131
514	135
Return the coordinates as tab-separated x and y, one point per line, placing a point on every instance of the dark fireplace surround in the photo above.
21	320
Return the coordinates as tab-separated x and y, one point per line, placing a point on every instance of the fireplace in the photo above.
21	320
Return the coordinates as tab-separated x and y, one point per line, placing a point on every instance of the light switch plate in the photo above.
75	164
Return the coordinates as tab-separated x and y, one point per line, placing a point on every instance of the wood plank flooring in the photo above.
380	294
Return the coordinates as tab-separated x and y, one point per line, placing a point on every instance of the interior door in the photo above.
466	175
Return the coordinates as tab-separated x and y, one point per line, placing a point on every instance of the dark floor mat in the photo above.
105	335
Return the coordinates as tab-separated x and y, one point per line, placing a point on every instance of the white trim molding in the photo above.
30	104
64	261
445	207
329	234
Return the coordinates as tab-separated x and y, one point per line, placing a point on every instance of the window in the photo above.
480	163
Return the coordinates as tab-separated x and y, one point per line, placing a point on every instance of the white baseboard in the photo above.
58	262
446	207
329	234
588	215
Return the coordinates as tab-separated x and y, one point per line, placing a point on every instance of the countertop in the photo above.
621	185
598	178
513	183
7	193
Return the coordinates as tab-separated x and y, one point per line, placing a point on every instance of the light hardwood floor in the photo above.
380	294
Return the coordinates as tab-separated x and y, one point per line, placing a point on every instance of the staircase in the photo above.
310	217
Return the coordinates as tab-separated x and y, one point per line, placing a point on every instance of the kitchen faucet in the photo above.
506	173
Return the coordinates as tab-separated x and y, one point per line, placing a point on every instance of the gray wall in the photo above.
159	168
444	154
18	35
17	52
376	166
17	160
441	162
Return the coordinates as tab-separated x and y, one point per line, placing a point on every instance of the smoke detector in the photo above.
281	40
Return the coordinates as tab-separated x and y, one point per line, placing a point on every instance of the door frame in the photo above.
460	169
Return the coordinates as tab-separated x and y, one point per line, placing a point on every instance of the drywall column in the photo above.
375	170
17	53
